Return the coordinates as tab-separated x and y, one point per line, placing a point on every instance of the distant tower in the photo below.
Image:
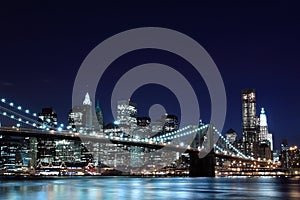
126	115
87	100
87	110
143	127
250	122
264	134
99	115
75	118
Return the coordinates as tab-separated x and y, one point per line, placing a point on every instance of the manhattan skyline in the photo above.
254	46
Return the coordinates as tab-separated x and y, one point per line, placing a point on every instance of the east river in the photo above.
120	188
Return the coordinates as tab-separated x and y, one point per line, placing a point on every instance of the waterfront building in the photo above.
284	154
15	154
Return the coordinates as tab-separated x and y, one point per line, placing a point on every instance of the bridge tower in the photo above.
203	164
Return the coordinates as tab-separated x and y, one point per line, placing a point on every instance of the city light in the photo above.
224	147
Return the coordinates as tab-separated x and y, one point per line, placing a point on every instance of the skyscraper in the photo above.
143	127
263	131
82	118
126	115
250	122
87	110
75	118
264	135
99	115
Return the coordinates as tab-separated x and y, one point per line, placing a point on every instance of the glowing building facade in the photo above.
126	115
264	135
250	125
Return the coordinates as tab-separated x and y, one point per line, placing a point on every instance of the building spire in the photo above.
87	100
263	118
98	104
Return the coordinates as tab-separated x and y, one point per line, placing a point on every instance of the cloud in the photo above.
7	84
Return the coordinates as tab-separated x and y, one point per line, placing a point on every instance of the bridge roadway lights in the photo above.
202	167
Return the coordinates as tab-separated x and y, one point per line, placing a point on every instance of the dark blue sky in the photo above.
255	45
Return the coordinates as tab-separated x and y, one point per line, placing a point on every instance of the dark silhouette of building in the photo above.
48	118
143	121
232	137
99	115
170	123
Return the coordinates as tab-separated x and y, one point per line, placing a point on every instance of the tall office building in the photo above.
250	123
270	139
99	115
263	130
87	110
143	127
75	117
82	118
48	118
264	136
126	115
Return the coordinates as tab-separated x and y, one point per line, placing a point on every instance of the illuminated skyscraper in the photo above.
82	119
264	135
126	115
99	115
75	117
87	100
87	110
143	127
250	122
263	131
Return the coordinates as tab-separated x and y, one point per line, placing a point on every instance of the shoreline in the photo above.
21	178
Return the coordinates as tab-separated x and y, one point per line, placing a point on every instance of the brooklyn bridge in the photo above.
30	145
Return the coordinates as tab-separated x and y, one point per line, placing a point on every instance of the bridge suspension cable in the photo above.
21	115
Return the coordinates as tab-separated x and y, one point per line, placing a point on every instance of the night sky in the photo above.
254	45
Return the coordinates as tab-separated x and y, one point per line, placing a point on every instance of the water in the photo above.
151	188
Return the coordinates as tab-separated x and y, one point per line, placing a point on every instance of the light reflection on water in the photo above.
150	188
